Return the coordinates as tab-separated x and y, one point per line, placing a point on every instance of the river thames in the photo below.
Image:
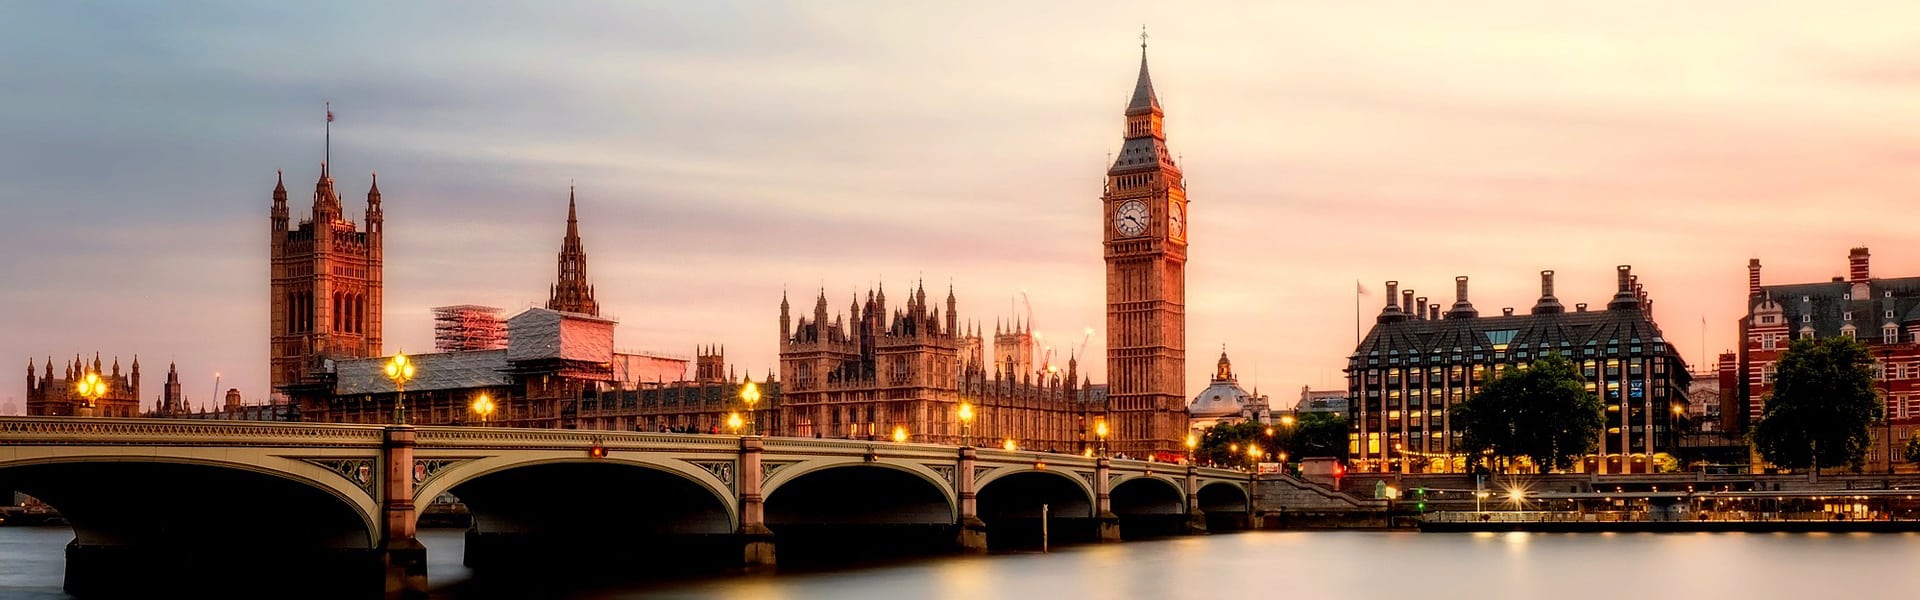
1362	565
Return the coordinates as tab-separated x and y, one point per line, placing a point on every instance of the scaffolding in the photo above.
468	327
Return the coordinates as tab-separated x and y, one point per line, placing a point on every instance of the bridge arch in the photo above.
1148	506
148	521
464	470
563	509
855	508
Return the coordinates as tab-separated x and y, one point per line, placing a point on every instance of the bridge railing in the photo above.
148	431
512	437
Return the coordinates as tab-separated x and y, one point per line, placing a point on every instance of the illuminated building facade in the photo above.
1418	363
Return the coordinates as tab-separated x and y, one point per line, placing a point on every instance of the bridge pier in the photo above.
1196	518
1106	523
402	556
972	534
756	540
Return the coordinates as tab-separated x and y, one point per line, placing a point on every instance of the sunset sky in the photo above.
725	152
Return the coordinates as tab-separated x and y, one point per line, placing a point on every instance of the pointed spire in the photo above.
573	219
279	185
373	191
1143	99
571	292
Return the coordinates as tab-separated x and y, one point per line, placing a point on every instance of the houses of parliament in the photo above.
883	369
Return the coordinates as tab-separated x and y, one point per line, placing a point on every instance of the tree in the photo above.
1542	411
1225	444
1821	405
1316	434
1913	449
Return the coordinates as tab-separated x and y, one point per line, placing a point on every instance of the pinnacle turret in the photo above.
571	292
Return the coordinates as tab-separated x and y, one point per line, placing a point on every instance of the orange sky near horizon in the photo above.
727	152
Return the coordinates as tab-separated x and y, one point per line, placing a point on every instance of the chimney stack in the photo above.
1548	304
1461	307
1624	299
1392	313
1433	311
1420	307
1857	265
1753	278
1406	301
1580	307
1506	311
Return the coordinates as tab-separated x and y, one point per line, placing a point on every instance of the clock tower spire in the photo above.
1145	209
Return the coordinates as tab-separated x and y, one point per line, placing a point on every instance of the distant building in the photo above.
1321	401
1883	313
874	370
1703	401
547	368
49	396
1417	364
1224	401
325	287
9	408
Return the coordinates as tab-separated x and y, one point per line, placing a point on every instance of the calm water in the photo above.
1362	565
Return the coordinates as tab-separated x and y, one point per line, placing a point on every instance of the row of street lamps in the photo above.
401	370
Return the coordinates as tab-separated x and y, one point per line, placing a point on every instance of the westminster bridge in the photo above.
154	499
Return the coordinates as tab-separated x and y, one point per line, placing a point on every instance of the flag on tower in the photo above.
1359	288
329	112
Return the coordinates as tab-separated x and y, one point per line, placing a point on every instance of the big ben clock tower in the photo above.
1146	250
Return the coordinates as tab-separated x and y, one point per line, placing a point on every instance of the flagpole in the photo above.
1356	314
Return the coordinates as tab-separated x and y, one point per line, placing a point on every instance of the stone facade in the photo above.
1145	225
50	396
872	371
325	285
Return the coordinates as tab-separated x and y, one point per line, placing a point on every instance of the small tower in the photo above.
572	293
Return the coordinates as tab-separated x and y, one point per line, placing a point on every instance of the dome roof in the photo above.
1222	399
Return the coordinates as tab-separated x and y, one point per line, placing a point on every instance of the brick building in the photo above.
1883	313
1418	363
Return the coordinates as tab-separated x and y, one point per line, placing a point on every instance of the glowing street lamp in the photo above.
1192	443
966	418
483	406
750	395
400	371
1100	431
91	387
899	434
1253	456
1286	420
1009	445
733	422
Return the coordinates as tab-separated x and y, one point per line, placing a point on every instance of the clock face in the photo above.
1176	221
1131	218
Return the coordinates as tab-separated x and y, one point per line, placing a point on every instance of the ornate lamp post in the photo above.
483	406
1100	431
733	422
400	371
1192	443
899	434
1009	445
966	418
1253	458
90	387
750	395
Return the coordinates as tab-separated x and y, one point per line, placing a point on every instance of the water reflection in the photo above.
1360	565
